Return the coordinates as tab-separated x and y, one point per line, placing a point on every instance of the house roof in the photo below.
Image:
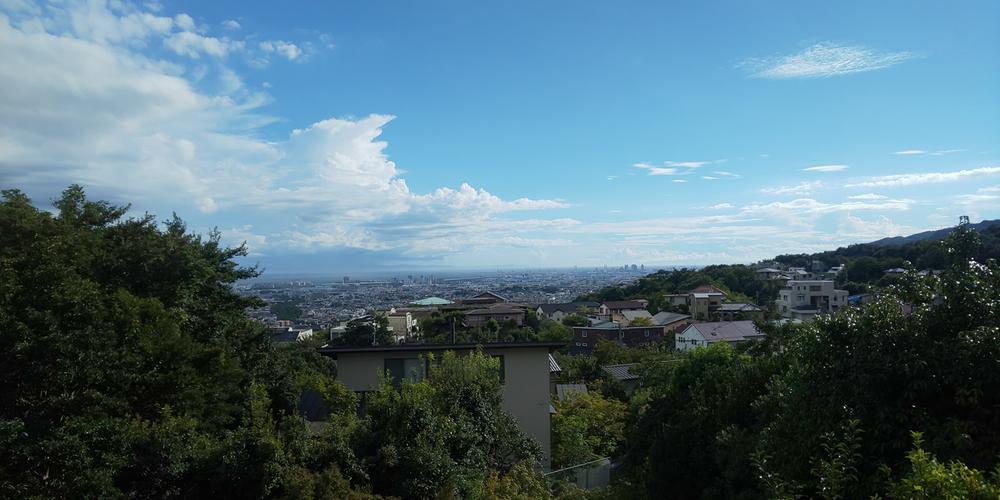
490	295
737	307
666	317
636	313
564	391
553	365
431	301
621	372
725	330
624	304
705	289
335	350
497	309
769	270
568	307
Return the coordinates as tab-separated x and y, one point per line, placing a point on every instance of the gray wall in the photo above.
526	389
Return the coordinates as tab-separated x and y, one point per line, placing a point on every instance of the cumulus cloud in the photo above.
826	168
231	24
824	60
912	179
190	44
84	103
288	50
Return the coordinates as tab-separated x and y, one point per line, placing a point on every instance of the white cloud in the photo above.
184	22
868	196
925	178
824	60
826	168
186	43
709	178
921	152
679	181
802	188
676	167
858	228
288	50
976	199
612	177
990	189
83	103
686	164
721	206
231	24
727	174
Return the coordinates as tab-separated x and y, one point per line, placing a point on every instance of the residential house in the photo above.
631	315
586	338
704	300
670	320
499	312
525	371
431	301
704	334
623	373
485	298
733	311
557	312
282	332
804	299
613	309
769	273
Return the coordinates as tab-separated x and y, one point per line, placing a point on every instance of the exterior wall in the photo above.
401	324
525	391
482	319
819	293
689	339
585	339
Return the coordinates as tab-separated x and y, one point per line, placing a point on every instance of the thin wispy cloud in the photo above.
867	196
824	60
921	152
801	188
674	167
826	168
925	178
680	181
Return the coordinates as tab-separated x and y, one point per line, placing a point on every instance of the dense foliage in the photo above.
826	409
132	370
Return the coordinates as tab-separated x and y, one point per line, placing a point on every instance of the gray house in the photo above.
524	371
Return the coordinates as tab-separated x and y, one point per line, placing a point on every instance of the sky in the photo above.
366	135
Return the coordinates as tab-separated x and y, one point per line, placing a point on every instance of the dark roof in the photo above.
334	350
621	372
498	309
726	330
490	295
666	317
737	307
564	391
624	304
705	289
569	307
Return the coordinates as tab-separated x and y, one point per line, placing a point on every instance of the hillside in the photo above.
934	235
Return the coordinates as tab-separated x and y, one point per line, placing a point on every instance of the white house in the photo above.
804	299
704	334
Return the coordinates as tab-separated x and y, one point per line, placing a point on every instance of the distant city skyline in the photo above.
372	136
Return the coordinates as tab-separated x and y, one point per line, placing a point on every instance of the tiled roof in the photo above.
633	314
564	391
726	330
737	307
666	317
624	304
621	372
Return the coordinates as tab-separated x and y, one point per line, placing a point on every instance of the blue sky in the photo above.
359	135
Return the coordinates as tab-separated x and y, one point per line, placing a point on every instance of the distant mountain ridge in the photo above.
938	234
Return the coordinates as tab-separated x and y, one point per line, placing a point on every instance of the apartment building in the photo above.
804	299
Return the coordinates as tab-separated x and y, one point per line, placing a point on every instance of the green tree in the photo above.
586	427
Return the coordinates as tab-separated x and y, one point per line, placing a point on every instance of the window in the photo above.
401	369
647	333
583	334
584	344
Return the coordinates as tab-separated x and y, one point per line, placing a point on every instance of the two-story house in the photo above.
804	299
525	369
